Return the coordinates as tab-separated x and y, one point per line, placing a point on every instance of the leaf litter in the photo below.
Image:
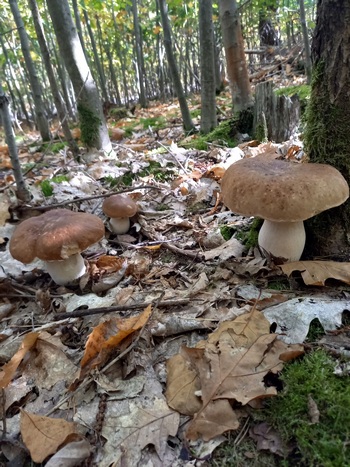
178	344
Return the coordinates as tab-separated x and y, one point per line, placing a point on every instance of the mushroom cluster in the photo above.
120	208
57	237
284	194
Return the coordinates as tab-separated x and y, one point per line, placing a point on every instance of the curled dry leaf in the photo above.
9	369
317	272
107	336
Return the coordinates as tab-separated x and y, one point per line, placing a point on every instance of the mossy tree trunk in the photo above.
327	135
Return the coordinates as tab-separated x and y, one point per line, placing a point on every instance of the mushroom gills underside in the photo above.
66	270
283	239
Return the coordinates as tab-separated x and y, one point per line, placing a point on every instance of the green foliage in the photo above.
53	147
89	126
223	134
46	188
325	443
46	185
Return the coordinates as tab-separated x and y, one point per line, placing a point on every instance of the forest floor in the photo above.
181	345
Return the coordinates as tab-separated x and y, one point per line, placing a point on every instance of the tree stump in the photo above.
282	113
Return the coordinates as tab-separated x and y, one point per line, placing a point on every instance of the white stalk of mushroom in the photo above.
284	194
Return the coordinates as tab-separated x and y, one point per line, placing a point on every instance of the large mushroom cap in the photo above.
282	191
55	235
120	205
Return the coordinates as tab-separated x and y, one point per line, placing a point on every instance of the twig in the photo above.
110	309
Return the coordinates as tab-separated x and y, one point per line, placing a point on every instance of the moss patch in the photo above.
320	444
89	126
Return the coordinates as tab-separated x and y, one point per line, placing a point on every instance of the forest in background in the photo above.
123	43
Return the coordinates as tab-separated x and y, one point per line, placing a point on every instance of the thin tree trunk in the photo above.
186	116
41	119
79	28
22	192
139	54
61	109
237	70
95	52
307	50
206	34
94	132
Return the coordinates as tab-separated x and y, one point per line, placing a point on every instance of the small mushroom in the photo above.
57	237
119	208
284	194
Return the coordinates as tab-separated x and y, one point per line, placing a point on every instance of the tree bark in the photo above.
307	50
61	109
139	55
41	120
206	35
22	192
327	135
174	71
237	70
94	131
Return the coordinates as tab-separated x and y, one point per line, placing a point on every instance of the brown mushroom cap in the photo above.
282	191
55	235
120	205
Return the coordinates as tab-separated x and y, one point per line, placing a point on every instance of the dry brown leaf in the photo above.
182	386
9	369
108	335
231	366
43	435
317	272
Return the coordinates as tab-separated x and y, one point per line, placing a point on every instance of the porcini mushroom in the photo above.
284	194
57	237
119	208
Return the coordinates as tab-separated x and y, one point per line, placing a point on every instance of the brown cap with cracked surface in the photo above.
282	191
55	235
120	205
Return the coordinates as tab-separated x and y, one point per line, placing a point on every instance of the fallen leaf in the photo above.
317	272
71	454
9	369
108	335
43	435
230	368
267	438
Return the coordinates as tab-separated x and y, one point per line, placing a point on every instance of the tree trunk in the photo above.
174	71
237	70
307	51
327	135
61	109
139	55
95	52
41	119
22	192
206	34
94	132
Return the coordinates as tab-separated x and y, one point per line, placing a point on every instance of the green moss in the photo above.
325	443
195	113
46	188
157	123
261	133
53	147
316	331
89	126
118	113
243	454
303	91
60	179
227	231
223	134
249	235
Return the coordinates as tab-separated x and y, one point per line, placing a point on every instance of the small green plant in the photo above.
157	123
60	179
195	113
46	188
112	181
154	168
53	147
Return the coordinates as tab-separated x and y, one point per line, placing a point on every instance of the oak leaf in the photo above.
317	272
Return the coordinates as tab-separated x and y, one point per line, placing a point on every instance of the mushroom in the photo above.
119	208
284	194
57	237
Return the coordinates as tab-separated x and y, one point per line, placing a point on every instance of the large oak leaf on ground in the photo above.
230	367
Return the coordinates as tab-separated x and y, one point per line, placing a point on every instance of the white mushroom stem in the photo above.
66	270
283	239
119	225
